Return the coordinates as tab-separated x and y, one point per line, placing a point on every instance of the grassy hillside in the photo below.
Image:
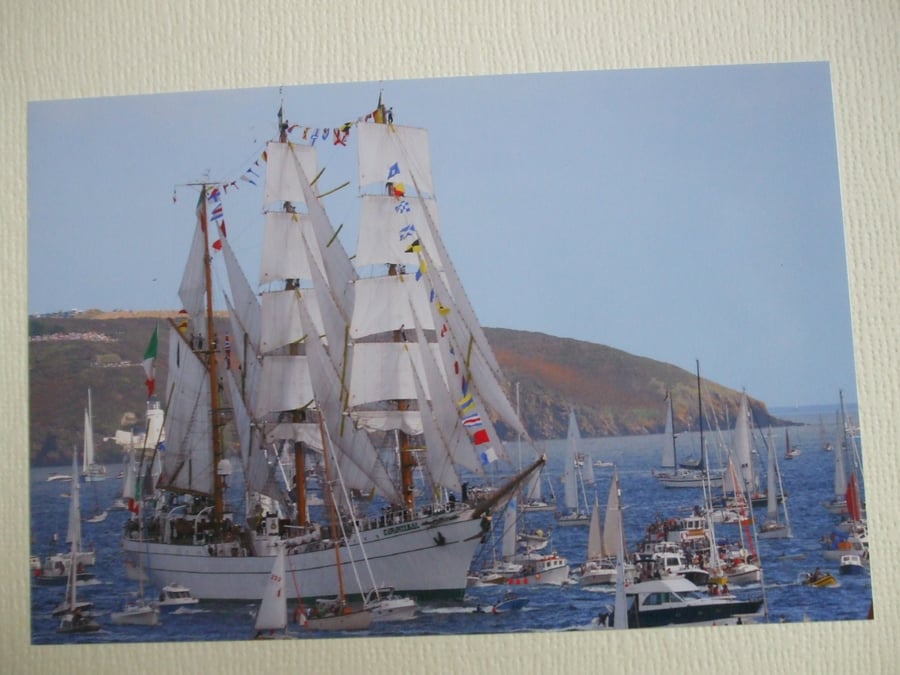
613	393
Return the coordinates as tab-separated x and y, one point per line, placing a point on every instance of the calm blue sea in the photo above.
808	479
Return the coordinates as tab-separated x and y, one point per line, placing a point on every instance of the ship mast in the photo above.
297	416
408	461
220	468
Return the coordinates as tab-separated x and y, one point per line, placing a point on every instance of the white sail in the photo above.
771	482
382	218
281	324
595	536
383	371
570	477
88	440
620	616
192	291
358	461
455	441
742	448
587	470
283	255
533	491
283	176
508	543
438	459
840	471
407	148
272	614
386	304
668	455
612	525
244	308
73	534
284	383
187	461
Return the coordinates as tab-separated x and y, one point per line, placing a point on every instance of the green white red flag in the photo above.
149	362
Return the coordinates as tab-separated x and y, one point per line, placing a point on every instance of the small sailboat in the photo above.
790	451
673	475
335	614
75	616
773	527
92	471
136	613
604	543
576	510
272	618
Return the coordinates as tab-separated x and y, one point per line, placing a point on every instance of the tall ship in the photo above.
378	357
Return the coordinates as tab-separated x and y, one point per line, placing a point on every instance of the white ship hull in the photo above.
427	557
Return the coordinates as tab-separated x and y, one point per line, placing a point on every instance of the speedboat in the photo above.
508	603
852	564
677	601
174	596
818	579
385	606
137	613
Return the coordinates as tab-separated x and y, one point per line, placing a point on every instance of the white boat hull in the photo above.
143	615
358	620
689	479
423	558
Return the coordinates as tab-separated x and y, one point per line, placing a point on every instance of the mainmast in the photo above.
408	461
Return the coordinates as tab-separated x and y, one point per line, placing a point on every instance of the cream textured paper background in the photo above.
54	49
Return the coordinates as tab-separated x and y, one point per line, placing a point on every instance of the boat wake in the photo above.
449	610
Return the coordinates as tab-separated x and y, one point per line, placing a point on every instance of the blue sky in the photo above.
677	214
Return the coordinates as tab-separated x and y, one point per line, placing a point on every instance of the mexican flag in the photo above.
149	362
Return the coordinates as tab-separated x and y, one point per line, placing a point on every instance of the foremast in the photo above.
219	462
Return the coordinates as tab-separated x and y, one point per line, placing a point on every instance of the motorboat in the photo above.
510	602
852	564
385	605
174	596
819	579
677	601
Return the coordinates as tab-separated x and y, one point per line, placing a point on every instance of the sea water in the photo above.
808	480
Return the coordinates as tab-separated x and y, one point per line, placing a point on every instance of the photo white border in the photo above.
98	48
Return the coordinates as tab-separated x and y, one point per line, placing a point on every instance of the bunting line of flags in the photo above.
338	136
467	405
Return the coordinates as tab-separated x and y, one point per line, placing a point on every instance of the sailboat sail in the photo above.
613	535
595	535
88	441
187	463
742	448
272	614
669	457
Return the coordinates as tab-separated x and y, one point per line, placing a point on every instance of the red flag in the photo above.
480	437
853	507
